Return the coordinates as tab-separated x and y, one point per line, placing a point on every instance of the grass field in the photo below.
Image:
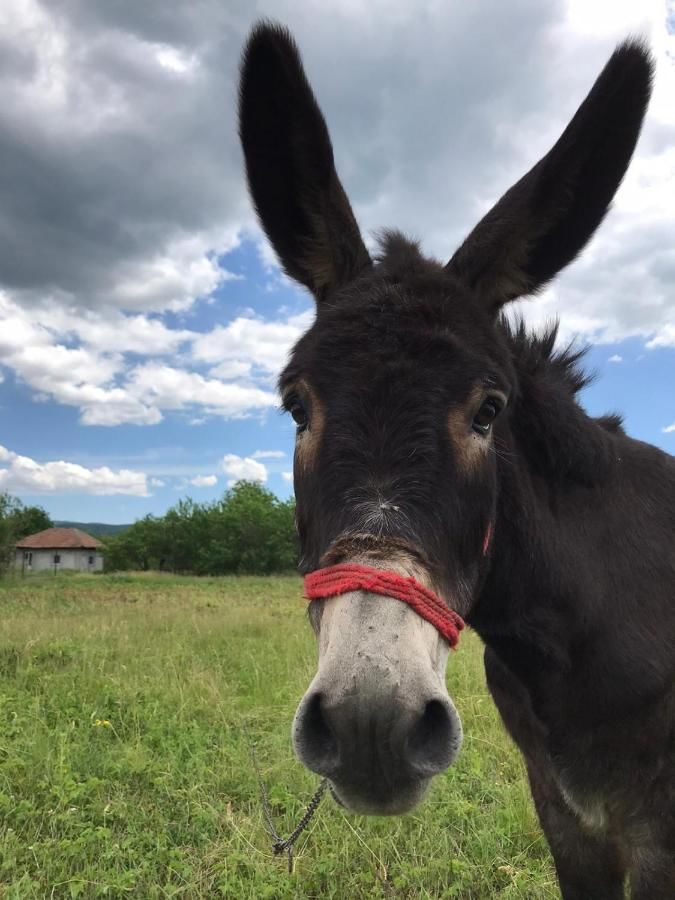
125	771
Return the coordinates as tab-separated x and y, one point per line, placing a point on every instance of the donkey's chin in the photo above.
368	801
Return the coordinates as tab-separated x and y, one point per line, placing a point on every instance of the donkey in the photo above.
438	442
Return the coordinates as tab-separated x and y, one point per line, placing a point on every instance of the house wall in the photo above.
43	560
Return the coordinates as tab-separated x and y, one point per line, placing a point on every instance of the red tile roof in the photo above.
59	539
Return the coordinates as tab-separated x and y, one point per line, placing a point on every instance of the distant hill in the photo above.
95	529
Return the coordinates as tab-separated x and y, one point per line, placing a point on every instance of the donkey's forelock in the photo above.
399	257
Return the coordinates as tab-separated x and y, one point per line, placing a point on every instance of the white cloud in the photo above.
665	337
98	378
204	480
268	454
174	60
174	279
112	407
287	476
74	376
23	475
615	358
157	482
249	343
669	429
168	388
117	333
243	468
230	368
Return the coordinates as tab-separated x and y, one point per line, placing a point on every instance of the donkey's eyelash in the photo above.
493	381
288	402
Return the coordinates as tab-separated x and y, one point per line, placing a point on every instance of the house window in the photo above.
28	558
91	560
57	559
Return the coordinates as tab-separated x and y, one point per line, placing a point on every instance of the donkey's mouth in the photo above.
368	800
352	800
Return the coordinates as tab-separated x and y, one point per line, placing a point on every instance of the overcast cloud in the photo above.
123	190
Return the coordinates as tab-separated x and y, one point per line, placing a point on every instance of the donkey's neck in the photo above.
554	467
578	581
548	493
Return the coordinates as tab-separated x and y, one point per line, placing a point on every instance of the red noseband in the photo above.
346	577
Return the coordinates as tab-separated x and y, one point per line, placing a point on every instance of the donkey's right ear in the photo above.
289	163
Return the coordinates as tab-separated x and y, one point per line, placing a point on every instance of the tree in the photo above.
142	546
18	521
30	520
249	530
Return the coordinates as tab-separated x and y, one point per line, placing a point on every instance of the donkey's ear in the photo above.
289	163
548	216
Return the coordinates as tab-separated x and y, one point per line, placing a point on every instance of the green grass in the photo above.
163	800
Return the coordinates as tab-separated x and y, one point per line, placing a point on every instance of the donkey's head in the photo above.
400	391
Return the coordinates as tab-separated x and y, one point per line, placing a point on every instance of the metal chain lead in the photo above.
284	845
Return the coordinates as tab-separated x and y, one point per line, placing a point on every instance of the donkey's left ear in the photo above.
547	217
289	162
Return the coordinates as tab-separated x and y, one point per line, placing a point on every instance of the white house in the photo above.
56	549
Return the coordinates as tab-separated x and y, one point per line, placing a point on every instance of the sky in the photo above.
143	317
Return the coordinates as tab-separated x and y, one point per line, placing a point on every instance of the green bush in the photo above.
248	531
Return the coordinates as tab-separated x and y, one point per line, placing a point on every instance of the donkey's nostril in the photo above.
313	737
434	740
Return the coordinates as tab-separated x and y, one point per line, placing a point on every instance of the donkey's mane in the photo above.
554	431
536	354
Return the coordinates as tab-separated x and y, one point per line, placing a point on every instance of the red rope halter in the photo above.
345	577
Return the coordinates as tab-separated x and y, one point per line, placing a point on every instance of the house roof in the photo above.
59	539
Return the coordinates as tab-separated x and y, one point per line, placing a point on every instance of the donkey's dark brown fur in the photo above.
423	417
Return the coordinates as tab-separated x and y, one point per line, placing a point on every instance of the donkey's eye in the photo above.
482	421
298	413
